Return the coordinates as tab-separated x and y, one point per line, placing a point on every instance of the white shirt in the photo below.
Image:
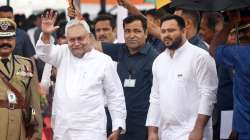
78	105
183	87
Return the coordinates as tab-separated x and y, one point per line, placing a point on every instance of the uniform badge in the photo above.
28	71
4	25
11	97
21	73
25	71
33	112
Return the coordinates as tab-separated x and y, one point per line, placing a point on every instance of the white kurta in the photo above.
183	87
78	105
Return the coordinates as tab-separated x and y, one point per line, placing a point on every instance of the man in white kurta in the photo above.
82	82
184	87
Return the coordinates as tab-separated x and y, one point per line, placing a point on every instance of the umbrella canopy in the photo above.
210	5
161	3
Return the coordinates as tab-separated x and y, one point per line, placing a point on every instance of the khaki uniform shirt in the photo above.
21	75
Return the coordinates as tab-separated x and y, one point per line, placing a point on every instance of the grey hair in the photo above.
75	22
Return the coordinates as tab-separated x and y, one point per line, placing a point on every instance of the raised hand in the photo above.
124	3
130	7
48	21
73	13
70	2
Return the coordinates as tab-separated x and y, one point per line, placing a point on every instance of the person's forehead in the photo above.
76	35
149	16
170	23
6	14
76	30
78	27
103	23
134	24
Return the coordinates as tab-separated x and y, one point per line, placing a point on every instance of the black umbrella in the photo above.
210	5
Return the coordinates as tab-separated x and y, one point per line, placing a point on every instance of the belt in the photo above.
6	104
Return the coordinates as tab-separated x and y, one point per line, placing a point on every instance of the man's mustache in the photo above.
5	45
167	38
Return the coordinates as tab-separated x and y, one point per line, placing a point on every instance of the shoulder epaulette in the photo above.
21	57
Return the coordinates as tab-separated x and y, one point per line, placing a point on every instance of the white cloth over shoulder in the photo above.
183	87
78	105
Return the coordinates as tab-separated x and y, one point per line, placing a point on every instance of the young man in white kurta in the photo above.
78	105
184	86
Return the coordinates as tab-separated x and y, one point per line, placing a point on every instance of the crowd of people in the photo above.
170	80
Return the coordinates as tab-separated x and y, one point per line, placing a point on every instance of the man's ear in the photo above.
184	31
146	34
188	23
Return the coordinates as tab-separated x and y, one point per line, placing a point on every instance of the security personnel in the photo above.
19	98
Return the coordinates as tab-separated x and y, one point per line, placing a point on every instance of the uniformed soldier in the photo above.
19	99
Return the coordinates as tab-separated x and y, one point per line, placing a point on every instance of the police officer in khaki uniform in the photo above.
19	99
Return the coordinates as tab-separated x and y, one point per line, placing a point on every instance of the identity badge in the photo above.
11	97
129	82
